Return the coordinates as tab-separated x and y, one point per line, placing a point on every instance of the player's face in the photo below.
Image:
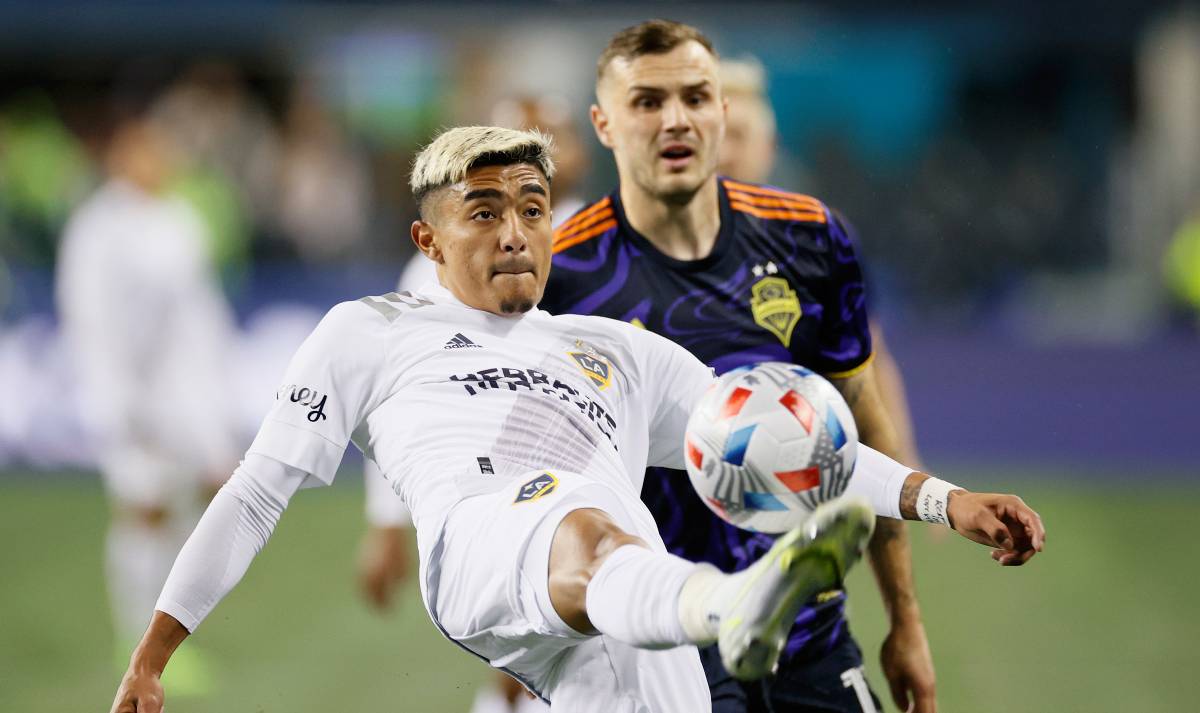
748	151
491	238
663	117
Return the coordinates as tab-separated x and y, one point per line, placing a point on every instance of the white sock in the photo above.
704	598
139	557
634	597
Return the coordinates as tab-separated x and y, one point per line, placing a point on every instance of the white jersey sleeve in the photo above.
673	380
332	383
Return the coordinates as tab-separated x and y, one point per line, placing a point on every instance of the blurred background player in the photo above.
738	273
748	153
150	331
384	551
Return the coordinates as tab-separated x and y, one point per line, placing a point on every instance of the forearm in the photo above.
894	489
880	480
234	528
162	637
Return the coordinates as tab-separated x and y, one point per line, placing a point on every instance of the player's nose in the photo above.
512	238
674	116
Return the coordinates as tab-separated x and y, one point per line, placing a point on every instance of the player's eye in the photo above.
483	214
697	99
646	103
533	212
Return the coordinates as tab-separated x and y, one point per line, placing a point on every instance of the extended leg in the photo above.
601	578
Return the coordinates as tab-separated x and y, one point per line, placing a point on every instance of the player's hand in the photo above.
139	692
1004	522
908	667
383	563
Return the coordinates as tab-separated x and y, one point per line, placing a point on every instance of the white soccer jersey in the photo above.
452	401
150	331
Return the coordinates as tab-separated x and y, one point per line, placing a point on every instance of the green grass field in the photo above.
1105	620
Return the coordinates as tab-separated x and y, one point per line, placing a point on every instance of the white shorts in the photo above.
487	589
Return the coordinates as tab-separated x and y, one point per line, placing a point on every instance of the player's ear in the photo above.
600	124
422	237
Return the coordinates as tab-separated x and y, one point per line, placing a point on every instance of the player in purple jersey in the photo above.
748	154
737	273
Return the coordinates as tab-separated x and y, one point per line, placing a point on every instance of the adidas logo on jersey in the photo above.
458	341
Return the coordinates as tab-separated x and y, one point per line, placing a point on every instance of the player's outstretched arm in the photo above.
1003	522
141	690
234	528
895	490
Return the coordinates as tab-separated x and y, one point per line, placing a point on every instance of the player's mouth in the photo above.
676	156
514	268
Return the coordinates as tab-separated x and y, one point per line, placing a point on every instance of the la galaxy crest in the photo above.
775	307
537	488
594	366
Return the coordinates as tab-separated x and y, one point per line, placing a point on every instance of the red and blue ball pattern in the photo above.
768	443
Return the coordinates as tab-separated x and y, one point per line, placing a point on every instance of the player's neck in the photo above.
684	231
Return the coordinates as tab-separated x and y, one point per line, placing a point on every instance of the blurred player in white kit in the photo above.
519	440
149	331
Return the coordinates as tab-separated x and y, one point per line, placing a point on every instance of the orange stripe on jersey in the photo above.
772	202
773	192
574	221
769	214
585	235
584	226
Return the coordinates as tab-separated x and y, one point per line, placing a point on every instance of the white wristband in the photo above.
932	500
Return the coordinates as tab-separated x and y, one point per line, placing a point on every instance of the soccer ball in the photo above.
768	443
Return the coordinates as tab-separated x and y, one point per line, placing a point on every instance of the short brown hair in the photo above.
649	37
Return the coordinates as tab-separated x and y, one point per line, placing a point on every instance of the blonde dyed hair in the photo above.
452	153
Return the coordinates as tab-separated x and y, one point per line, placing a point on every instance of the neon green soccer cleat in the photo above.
810	559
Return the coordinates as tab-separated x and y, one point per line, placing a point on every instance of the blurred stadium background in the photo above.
1026	184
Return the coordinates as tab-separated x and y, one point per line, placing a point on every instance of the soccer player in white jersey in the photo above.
519	440
149	330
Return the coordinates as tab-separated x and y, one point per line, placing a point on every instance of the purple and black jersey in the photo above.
782	283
